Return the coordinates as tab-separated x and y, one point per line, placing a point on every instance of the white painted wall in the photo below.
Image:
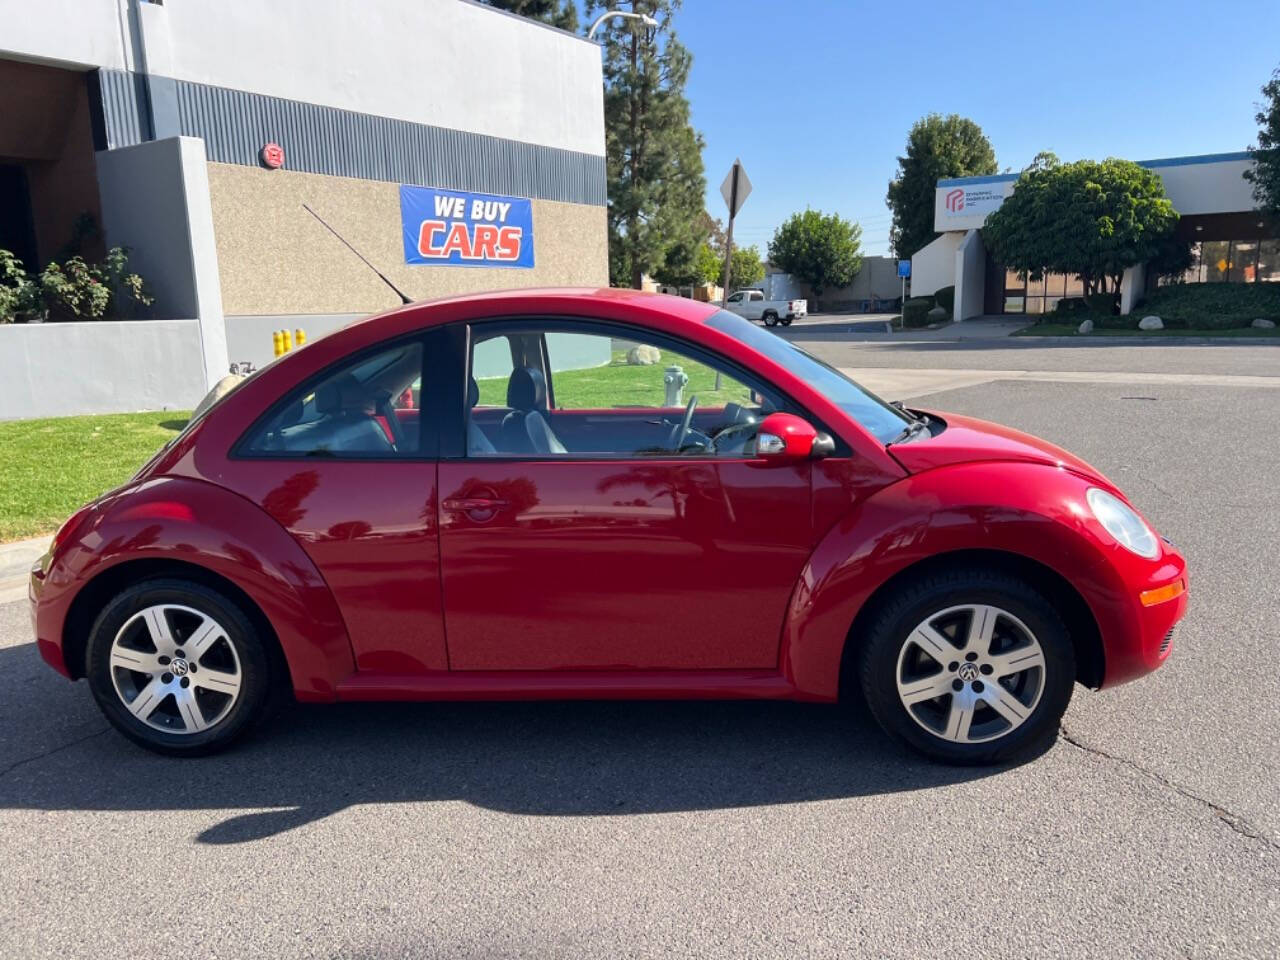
1132	286
447	63
934	266
155	200
970	273
439	62
63	369
78	33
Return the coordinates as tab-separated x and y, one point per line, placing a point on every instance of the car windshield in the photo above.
881	420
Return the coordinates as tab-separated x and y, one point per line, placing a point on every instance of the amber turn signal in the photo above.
1150	598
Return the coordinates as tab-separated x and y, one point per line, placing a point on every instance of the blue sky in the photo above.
817	97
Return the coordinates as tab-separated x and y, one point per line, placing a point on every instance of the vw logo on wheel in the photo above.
178	667
968	672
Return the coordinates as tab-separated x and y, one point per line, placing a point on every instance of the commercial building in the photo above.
456	146
1229	241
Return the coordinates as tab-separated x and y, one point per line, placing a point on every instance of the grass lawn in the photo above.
1069	330
619	384
48	468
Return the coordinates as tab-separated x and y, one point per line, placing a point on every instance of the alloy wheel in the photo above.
970	673
175	669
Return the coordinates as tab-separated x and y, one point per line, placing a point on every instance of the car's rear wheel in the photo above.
177	667
770	318
968	667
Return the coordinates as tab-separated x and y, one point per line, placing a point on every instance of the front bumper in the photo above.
1140	637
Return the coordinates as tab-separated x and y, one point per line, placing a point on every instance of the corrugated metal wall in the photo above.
317	139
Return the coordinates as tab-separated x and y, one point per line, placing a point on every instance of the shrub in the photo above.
81	291
946	297
18	294
1214	306
1069	305
1103	303
915	312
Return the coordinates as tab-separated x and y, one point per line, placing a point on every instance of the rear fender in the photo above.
199	523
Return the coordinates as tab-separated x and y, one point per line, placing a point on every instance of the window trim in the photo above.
428	428
497	326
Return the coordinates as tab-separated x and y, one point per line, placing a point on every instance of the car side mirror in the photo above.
786	438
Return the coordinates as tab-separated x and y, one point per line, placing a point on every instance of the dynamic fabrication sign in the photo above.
448	227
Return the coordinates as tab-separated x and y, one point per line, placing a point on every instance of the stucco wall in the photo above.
934	266
62	369
276	259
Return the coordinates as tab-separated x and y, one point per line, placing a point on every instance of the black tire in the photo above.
895	619
770	318
252	667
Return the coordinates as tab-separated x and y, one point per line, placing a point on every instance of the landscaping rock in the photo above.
1086	326
643	355
1262	324
938	315
1150	323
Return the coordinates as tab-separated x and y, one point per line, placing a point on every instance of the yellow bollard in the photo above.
277	343
288	340
300	336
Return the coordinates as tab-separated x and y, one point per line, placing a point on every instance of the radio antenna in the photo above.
381	276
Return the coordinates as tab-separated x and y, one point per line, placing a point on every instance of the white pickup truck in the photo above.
752	305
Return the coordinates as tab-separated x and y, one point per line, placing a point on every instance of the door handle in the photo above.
474	504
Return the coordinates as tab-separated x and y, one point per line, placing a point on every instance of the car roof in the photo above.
572	301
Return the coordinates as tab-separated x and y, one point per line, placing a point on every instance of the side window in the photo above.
595	395
736	298
756	295
369	408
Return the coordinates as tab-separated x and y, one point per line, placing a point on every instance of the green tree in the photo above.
1086	218
653	156
1265	176
558	13
745	268
822	250
937	147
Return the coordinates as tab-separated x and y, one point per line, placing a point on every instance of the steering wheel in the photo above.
681	433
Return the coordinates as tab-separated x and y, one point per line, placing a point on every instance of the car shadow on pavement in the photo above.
544	759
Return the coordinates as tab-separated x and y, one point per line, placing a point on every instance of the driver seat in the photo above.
525	429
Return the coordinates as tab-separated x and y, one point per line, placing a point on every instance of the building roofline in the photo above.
529	20
1163	162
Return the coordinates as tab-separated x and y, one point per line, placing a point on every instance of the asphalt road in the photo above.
1151	829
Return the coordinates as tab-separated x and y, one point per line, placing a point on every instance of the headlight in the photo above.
1119	520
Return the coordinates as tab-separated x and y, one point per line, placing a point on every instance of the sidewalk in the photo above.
15	565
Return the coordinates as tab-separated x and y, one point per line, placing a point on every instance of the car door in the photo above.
598	545
346	462
735	303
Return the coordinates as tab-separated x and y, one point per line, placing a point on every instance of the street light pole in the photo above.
644	18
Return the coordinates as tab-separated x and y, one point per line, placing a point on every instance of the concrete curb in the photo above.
16	559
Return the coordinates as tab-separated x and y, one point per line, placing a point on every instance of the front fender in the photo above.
200	523
1025	509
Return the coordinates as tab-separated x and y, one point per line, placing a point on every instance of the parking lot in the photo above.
1151	829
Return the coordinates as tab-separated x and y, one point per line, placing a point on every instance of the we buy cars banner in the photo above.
448	227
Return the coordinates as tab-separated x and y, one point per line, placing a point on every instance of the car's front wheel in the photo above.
968	667
177	667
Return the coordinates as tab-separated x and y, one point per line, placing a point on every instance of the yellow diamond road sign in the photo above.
1222	265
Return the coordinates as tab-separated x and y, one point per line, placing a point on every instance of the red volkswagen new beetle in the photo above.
599	494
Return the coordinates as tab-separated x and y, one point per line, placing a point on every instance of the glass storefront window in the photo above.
1244	261
1013	304
1075	287
1035	288
1035	305
1269	261
1216	257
